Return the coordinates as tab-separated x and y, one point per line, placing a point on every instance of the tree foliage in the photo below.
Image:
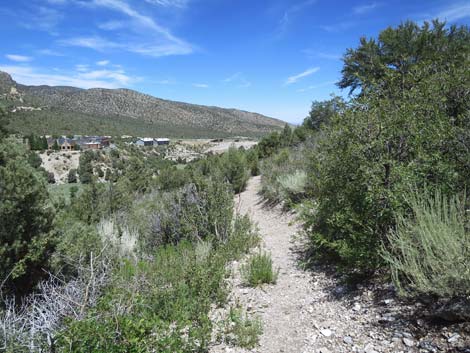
322	112
411	129
26	220
3	124
397	51
85	167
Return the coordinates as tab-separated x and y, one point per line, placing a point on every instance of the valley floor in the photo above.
309	311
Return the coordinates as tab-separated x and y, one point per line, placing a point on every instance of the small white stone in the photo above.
455	337
408	342
326	332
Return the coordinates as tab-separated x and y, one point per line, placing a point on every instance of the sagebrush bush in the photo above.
240	330
429	251
284	175
293	185
259	270
163	303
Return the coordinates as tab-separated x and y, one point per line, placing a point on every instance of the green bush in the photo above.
429	251
195	212
26	216
85	167
75	241
72	176
163	303
293	185
235	169
259	270
284	175
240	330
409	129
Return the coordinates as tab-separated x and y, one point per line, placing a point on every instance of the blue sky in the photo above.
273	57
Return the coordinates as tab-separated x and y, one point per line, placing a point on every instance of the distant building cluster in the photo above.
149	141
78	143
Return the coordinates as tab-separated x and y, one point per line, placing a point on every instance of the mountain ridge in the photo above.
71	108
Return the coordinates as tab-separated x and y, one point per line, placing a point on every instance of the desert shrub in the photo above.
429	251
34	159
108	174
269	144
85	167
240	330
293	185
31	325
244	235
259	270
171	178
284	177
50	178
408	130
72	176
3	124
196	211
367	161
252	159
234	166
162	303
75	241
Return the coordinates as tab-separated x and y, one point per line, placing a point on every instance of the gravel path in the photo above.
309	311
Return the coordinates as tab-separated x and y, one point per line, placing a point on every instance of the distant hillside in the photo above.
64	110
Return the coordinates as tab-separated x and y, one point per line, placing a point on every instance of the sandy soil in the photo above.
60	163
221	147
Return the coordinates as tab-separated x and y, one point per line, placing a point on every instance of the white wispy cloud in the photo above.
238	79
365	8
102	62
290	13
114	76
49	52
451	13
82	68
293	79
96	43
150	38
42	18
200	85
169	3
320	85
92	79
112	25
19	58
161	49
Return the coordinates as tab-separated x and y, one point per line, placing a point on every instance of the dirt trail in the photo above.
305	311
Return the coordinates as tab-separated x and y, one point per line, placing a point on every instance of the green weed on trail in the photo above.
259	270
240	330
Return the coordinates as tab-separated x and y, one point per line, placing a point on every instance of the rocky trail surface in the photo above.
310	311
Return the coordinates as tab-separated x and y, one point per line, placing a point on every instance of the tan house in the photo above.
66	144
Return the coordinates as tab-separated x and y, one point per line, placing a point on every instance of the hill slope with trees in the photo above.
65	110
